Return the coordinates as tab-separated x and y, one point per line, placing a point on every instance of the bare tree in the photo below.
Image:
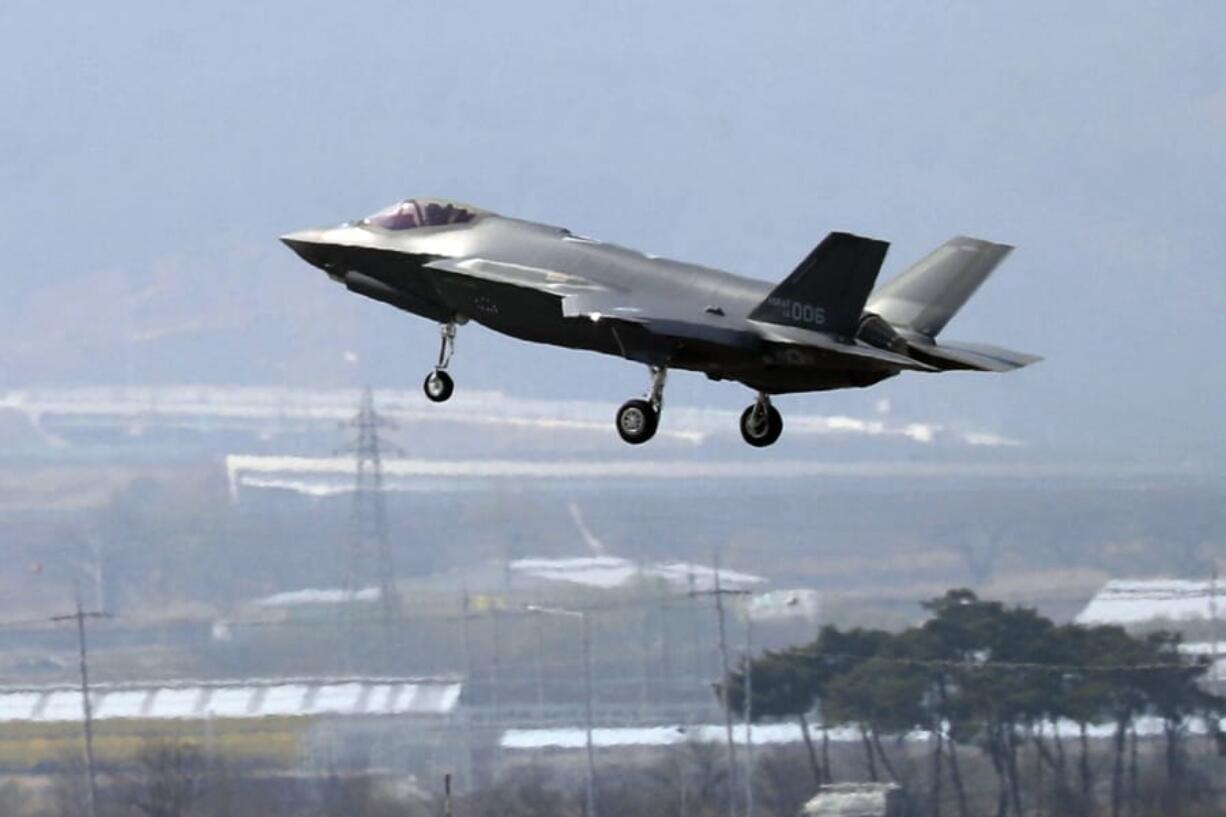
167	781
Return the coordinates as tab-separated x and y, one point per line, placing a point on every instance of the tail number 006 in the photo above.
807	313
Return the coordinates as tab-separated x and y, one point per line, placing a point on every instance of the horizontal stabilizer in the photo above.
882	358
826	293
979	357
930	292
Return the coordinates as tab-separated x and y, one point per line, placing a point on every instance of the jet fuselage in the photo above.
395	269
822	328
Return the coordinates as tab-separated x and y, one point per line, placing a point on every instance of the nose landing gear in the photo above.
761	423
438	385
637	420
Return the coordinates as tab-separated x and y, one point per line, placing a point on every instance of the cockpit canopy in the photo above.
412	213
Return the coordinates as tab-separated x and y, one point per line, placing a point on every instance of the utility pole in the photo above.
469	684
87	712
495	665
465	642
645	679
749	809
1213	625
665	644
719	592
540	669
727	677
369	521
700	662
587	713
96	571
582	615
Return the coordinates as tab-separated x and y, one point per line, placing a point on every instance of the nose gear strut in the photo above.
438	385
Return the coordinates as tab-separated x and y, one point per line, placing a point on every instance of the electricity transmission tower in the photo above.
369	557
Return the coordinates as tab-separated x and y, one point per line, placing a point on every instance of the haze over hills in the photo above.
142	219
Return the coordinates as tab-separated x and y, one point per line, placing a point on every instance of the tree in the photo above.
786	684
1173	692
865	688
882	698
981	674
789	683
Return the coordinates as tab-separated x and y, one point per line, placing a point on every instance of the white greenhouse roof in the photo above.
318	595
234	699
1131	601
594	571
614	571
762	734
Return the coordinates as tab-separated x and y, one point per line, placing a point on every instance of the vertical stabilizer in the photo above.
826	293
930	292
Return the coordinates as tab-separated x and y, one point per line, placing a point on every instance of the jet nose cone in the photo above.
308	245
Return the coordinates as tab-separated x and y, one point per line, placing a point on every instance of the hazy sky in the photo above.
1092	136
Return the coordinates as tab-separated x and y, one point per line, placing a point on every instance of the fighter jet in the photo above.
822	328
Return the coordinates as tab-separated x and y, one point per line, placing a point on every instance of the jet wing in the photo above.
656	319
522	275
582	298
805	337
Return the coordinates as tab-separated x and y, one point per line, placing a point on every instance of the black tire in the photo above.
637	421
438	386
765	433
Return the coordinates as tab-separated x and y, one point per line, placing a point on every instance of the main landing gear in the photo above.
439	385
637	420
761	423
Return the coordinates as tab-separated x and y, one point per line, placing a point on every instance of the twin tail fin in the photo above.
827	291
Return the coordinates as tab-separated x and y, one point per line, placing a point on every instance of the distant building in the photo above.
401	723
781	605
1135	601
247	698
316	604
855	800
311	604
613	571
686	729
311	596
1216	653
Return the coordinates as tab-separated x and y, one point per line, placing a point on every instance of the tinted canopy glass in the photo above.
412	213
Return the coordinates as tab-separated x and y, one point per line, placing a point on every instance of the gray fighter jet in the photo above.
822	328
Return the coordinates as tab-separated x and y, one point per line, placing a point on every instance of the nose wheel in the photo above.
761	423
438	385
637	420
